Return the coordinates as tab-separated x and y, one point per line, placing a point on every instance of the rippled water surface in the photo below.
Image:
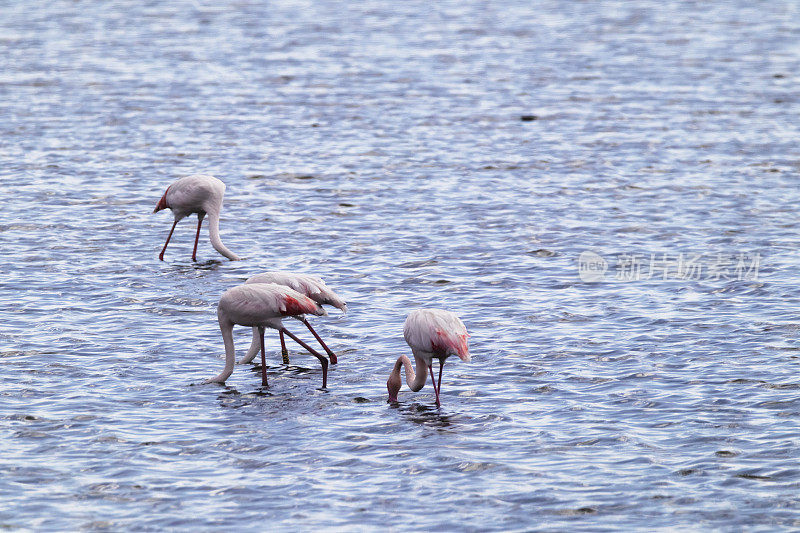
382	146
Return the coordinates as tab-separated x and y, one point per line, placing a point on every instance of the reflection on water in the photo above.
425	415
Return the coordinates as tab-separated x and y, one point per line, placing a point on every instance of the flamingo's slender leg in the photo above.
433	381
164	249
284	351
197	236
322	343
439	385
312	351
263	358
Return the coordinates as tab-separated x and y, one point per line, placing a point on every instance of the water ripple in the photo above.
457	155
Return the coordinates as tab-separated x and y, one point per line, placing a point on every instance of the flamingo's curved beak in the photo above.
393	385
162	204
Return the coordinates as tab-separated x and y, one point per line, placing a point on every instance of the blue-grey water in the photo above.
382	146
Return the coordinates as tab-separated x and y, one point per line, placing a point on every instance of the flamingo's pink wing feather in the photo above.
311	286
437	331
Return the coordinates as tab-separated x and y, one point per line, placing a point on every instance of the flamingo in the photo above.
431	334
260	306
311	286
201	194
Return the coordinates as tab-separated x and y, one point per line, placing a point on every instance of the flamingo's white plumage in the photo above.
260	306
311	286
200	194
431	334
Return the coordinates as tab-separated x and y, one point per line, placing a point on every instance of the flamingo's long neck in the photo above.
213	234
226	327
255	346
414	380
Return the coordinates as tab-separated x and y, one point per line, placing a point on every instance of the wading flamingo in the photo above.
199	194
260	306
311	286
431	334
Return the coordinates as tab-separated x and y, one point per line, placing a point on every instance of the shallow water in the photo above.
382	147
